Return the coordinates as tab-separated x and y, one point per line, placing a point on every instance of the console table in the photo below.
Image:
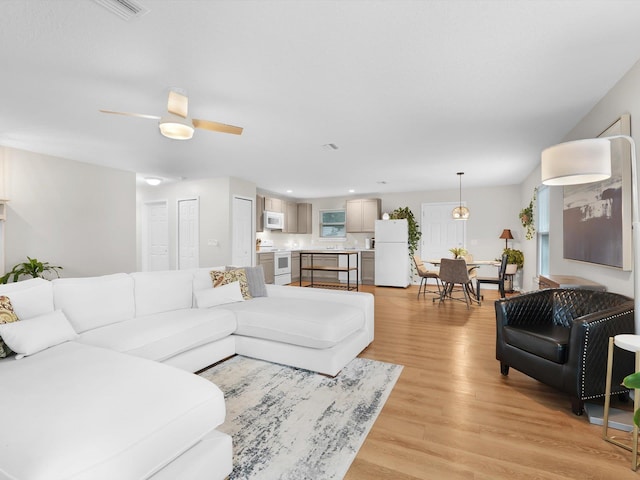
350	267
568	281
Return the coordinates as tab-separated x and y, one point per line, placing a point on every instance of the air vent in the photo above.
126	9
330	146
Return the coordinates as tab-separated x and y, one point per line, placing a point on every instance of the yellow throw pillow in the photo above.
7	315
223	278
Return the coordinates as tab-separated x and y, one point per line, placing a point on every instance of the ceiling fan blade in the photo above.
216	127
178	104
129	114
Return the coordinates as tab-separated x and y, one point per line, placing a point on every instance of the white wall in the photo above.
73	214
623	98
215	196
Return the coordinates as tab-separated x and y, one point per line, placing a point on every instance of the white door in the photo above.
188	233
440	232
242	248
155	236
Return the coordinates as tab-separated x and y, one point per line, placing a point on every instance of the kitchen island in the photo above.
309	263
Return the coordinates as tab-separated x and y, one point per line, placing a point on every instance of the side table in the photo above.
568	281
630	343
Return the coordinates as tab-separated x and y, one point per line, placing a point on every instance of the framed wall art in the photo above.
597	216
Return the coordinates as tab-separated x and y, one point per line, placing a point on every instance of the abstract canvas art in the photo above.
597	216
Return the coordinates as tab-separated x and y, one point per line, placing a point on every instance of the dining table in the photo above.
474	264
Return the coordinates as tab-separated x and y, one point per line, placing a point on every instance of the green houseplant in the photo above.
458	252
633	381
514	257
32	268
414	228
526	217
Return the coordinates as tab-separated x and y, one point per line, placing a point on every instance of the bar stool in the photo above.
630	343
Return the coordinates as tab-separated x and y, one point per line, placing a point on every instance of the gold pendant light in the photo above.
460	212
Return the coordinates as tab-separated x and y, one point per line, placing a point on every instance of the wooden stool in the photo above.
630	343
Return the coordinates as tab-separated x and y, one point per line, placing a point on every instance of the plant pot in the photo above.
511	269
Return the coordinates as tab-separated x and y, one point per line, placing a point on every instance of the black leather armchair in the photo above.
560	337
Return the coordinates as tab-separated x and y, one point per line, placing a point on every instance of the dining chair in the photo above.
499	280
425	274
454	271
473	269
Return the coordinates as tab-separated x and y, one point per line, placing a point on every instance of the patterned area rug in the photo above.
288	423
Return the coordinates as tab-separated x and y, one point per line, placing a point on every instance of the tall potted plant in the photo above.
31	268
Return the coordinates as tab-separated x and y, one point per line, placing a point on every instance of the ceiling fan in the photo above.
177	124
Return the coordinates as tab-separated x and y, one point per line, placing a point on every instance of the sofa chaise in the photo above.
101	387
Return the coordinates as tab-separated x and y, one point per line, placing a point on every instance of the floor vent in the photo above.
126	9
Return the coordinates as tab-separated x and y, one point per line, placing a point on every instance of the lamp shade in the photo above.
506	234
580	161
460	213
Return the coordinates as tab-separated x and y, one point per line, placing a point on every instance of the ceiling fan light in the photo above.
176	127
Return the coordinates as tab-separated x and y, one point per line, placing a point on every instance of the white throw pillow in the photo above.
30	336
210	297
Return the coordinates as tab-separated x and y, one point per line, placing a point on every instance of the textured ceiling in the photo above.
410	91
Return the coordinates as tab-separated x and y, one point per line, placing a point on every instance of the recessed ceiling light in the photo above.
351	190
289	191
330	146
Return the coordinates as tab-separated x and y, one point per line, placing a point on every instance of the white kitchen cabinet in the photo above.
362	214
267	262
304	218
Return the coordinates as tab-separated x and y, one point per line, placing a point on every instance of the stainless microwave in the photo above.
273	220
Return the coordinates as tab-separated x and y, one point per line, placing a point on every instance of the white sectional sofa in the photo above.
96	395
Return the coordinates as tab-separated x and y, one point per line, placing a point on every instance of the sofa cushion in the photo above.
210	297
238	275
29	298
92	413
255	280
94	302
546	341
157	292
202	277
7	315
308	323
36	334
163	335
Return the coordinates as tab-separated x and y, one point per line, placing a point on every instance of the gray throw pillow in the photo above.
255	279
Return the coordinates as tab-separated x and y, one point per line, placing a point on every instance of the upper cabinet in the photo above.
362	214
290	217
259	213
273	205
304	218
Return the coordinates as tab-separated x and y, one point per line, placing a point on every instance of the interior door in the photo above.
156	236
188	233
440	232
242	248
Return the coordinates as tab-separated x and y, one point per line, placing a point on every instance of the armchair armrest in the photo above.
587	354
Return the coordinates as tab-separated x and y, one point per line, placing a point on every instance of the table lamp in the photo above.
506	234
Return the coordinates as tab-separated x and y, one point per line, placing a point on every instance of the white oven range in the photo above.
282	267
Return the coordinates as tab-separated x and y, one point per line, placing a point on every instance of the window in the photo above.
543	230
333	224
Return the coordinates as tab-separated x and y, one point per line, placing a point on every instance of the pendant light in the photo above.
460	212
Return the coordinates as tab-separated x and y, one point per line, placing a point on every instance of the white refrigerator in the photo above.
392	253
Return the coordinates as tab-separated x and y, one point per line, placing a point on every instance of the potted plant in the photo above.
32	268
526	217
458	252
515	260
414	228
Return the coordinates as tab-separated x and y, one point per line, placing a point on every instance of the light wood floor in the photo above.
453	416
